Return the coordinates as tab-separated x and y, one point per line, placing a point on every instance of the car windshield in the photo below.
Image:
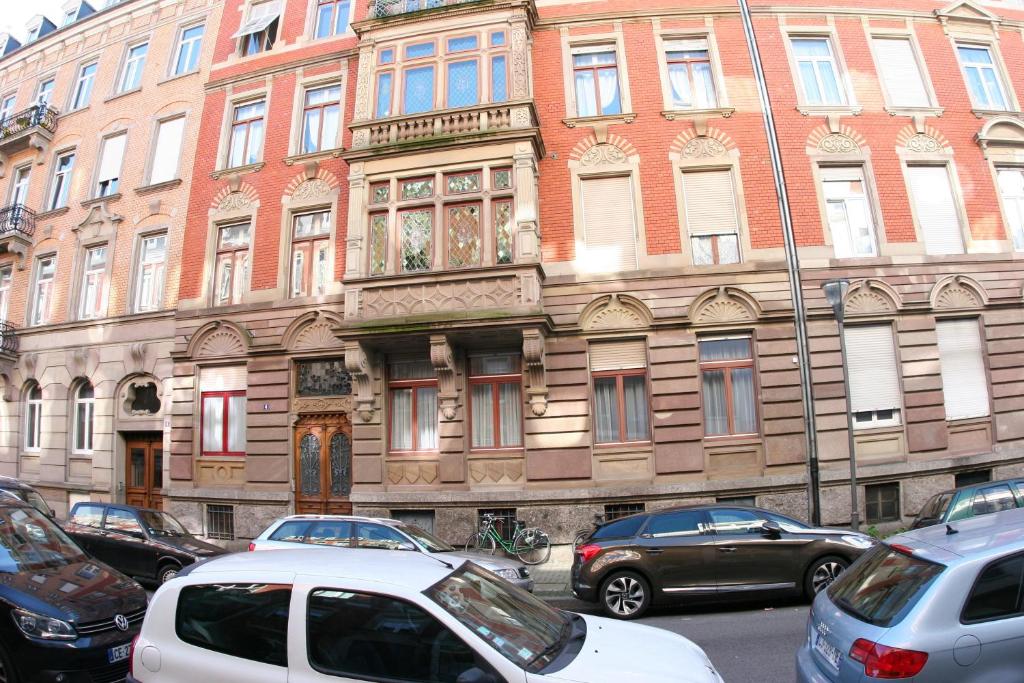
934	508
31	497
30	541
523	629
430	543
882	587
162	524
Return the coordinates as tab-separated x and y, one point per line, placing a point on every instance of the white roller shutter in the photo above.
224	378
901	73
609	228
168	150
964	380
113	155
874	376
686	45
710	202
937	215
620	355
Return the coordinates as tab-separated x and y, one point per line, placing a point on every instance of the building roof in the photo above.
976	538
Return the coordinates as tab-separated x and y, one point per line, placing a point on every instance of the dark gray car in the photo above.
707	552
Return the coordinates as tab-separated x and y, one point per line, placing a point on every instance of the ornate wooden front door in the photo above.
323	465
144	472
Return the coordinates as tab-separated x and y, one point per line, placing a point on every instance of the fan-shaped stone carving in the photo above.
236	201
318	335
723	308
615	312
702	147
868	298
837	143
218	341
923	143
603	154
957	292
316	188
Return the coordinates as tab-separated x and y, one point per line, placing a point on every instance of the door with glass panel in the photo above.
144	473
323	465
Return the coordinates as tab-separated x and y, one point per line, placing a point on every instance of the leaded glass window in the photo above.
417	229
503	231
463	83
309	465
378	243
459	183
380	193
463	235
502	179
326	377
418	189
341	469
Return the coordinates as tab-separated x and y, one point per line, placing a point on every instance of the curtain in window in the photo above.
510	407
401	419
213	424
704	85
636	408
586	94
716	412
609	80
483	416
680	80
724	349
606	410
744	421
236	424
426	418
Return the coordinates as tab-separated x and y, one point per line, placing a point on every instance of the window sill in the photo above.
483	453
877	429
984	113
967	421
915	111
99	200
625	448
606	119
53	213
673	114
238	170
178	77
157	187
826	109
732	439
123	94
413	454
313	156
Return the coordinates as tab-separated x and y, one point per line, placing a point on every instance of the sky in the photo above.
14	14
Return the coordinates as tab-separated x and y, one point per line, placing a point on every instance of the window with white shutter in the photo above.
167	150
964	380
109	177
709	200
1011	186
875	396
900	72
609	226
937	215
619	373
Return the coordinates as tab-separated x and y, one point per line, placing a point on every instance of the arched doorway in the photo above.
323	464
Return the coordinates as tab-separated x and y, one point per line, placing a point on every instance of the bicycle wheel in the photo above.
581	536
481	543
532	546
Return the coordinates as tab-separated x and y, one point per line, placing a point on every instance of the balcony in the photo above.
32	127
8	340
380	9
17	225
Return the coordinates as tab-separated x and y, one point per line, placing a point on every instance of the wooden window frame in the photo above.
413	384
142	266
307	267
729	366
715	255
495	381
77	90
130	65
620	399
306	108
38	317
613	51
878	488
89	406
247	123
226	396
33	428
400	242
233	251
60	183
99	276
332	33
687	61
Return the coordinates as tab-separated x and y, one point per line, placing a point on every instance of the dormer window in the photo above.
69	17
259	31
33	32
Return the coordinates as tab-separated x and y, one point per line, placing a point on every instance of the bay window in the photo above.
727	386
619	373
94	283
223	423
412	389
232	265
418	93
596	78
496	401
417	232
310	254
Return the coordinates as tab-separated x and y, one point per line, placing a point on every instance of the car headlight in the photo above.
510	574
40	626
858	542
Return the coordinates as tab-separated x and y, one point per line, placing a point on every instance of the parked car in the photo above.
934	604
23	492
971	501
707	552
347	531
308	616
63	615
143	543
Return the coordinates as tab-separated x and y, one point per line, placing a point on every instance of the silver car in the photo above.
346	531
940	603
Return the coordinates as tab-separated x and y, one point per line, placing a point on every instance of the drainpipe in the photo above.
792	266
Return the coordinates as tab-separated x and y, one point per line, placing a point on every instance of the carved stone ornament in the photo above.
703	147
722	309
357	362
520	70
443	360
615	312
137	355
533	359
521	117
958	294
312	190
79	364
837	143
603	154
219	340
29	361
316	335
923	143
318	406
413	472
366	62
864	299
236	201
496	471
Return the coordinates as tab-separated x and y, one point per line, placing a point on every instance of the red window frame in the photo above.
226	396
620	400
309	245
413	384
496	381
728	366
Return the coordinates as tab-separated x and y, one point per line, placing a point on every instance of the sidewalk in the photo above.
551	579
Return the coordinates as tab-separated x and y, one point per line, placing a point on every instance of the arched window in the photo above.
84	410
33	417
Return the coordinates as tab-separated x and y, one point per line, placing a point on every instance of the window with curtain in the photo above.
232	269
247	126
727	386
1011	187
108	180
33	417
223	423
93	294
712	217
848	211
983	79
131	72
689	74
190	43
61	183
619	374
321	119
149	274
962	364
900	72
42	290
875	393
311	233
167	151
596	78
496	396
332	17
85	409
412	390
819	74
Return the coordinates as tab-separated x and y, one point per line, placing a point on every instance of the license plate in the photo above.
827	650
119	653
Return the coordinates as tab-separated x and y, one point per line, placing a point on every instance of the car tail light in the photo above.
587	552
881	661
252	547
131	656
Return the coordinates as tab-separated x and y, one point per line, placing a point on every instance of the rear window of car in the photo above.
247	620
290	531
620	528
883	586
936	505
998	592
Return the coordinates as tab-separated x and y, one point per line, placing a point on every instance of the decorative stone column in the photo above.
527	226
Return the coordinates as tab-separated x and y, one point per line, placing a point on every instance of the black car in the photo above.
68	617
24	492
707	552
143	543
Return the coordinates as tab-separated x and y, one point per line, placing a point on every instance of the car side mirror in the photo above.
476	675
771	529
135	534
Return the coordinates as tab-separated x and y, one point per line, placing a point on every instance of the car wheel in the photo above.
625	595
822	573
167	572
7	673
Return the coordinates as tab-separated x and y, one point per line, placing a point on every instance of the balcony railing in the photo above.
8	338
390	8
484	118
17	219
36	116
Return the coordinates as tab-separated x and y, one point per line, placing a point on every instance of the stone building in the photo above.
528	258
99	118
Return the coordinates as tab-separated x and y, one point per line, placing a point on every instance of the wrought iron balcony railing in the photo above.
8	338
390	8
39	115
17	219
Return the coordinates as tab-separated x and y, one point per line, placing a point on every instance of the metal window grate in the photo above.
220	522
614	511
504	520
971	478
882	502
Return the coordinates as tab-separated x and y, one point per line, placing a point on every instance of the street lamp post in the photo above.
835	293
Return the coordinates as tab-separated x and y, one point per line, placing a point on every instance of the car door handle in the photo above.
727	549
655	551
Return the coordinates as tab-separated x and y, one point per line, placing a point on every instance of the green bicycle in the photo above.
530	544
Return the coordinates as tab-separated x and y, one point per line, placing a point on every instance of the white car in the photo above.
322	616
